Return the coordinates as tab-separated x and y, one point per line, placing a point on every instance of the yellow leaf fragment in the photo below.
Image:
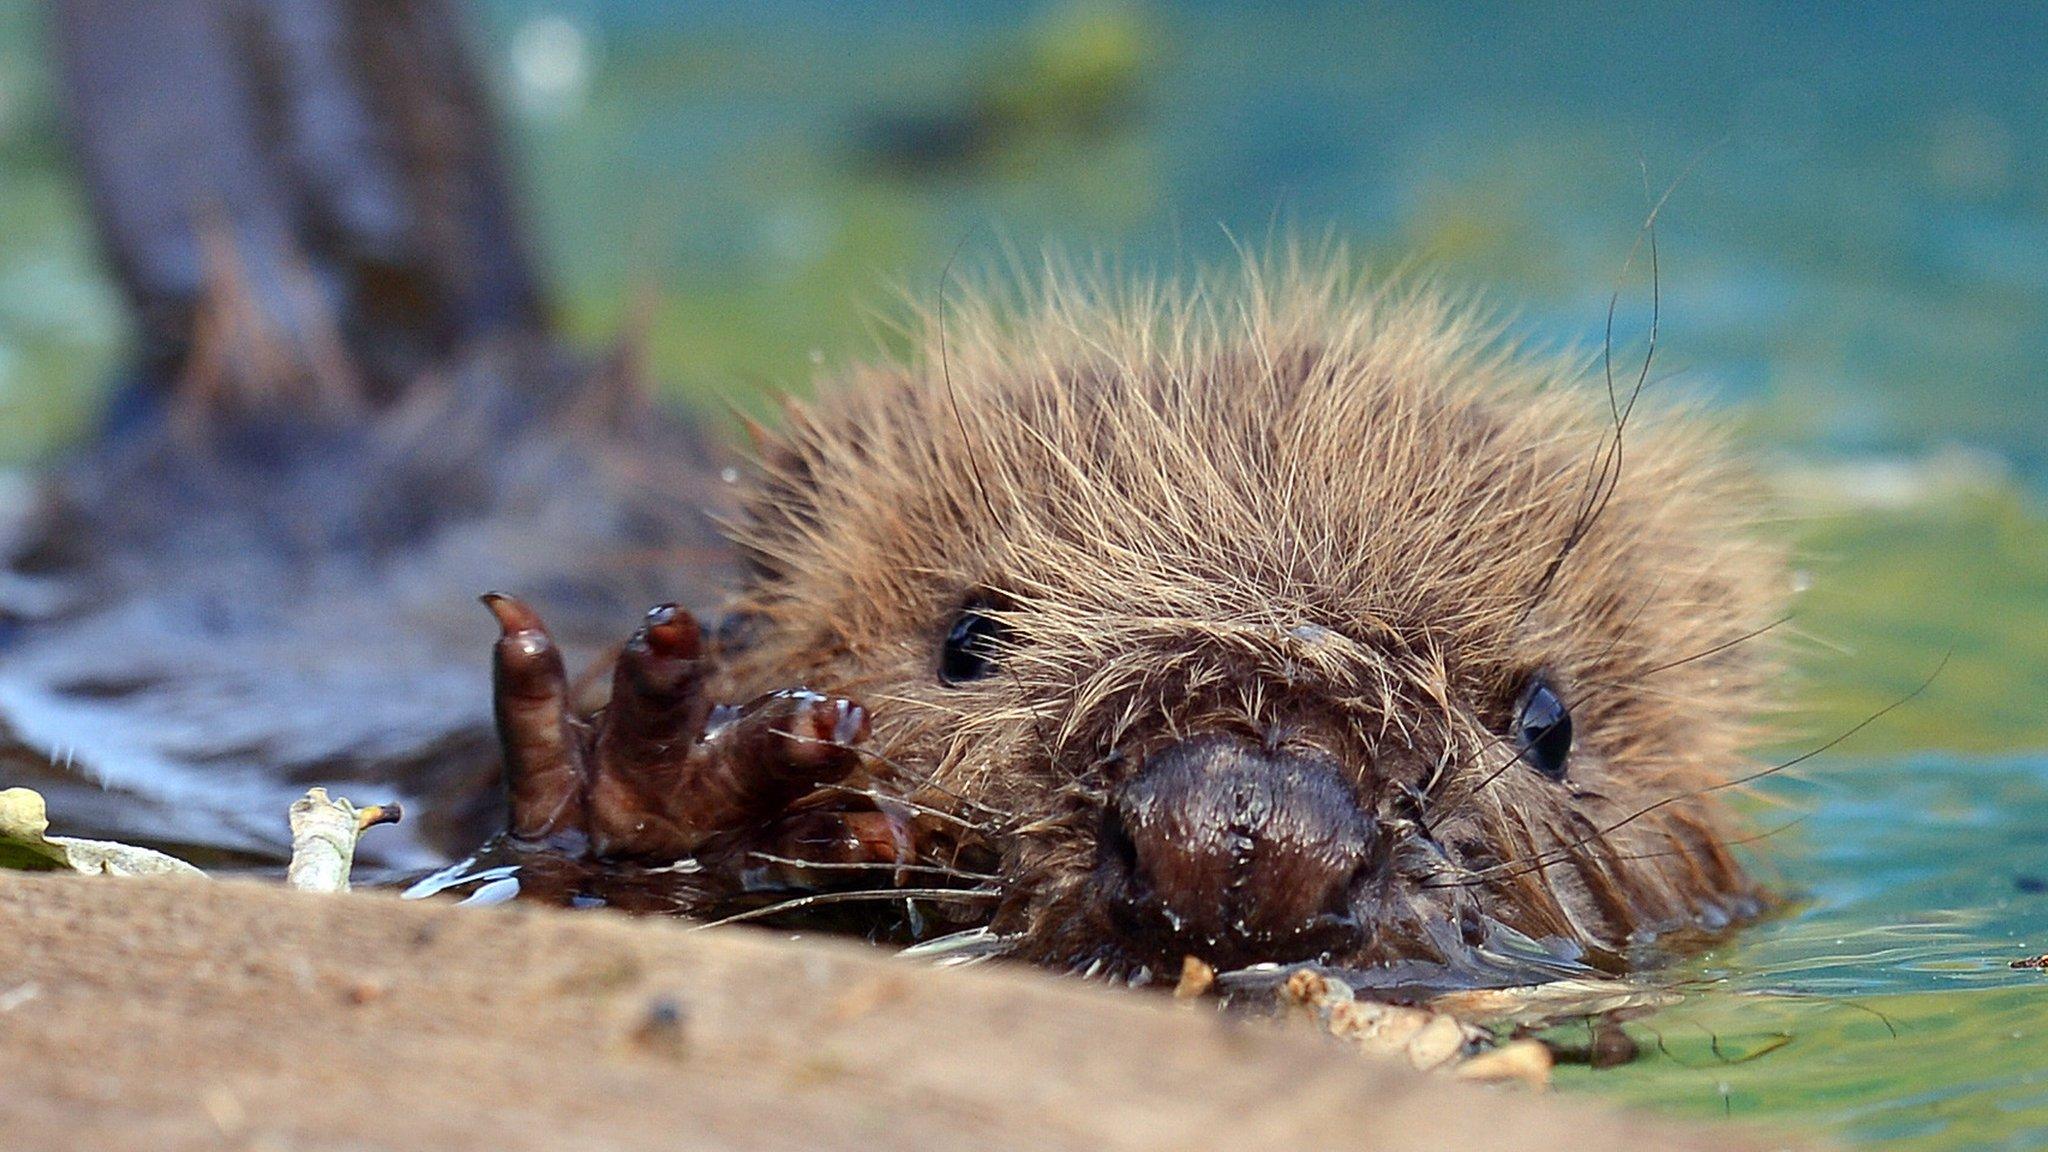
25	843
1525	1062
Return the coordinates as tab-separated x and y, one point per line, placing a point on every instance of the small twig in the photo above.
324	835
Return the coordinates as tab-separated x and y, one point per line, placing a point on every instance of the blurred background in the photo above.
1854	263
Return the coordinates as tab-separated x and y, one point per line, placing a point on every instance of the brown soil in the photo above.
168	1015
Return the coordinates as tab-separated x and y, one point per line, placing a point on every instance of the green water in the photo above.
1856	262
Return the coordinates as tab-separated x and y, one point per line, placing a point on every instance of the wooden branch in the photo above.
324	835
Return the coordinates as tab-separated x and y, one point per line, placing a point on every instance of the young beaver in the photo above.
1275	620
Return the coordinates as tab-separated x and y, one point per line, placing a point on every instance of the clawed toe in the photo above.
543	751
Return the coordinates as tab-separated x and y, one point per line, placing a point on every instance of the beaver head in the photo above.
1280	619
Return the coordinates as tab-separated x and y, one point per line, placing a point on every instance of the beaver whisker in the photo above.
1721	647
879	866
928	780
1752	838
814	899
1539	862
1605	478
899	769
1596	688
914	806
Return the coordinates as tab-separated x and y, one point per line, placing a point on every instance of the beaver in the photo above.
1282	618
1272	617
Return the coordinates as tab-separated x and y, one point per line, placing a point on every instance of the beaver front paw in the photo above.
660	772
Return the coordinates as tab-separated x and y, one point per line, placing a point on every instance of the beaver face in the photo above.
1296	623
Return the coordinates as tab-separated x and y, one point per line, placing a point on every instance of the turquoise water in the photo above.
1882	1004
1854	259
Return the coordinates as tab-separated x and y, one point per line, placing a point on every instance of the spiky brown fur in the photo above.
1284	504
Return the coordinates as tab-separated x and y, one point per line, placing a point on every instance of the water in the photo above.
1882	1005
1854	262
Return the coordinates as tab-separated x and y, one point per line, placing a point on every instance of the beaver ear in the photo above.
798	479
780	501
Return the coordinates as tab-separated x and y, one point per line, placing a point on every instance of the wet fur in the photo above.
1282	503
1277	502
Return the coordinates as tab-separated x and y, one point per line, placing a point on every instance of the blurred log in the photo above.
348	416
344	144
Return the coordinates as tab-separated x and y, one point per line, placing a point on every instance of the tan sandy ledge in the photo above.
156	1014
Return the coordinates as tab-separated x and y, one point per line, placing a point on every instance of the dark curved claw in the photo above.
644	736
781	747
544	764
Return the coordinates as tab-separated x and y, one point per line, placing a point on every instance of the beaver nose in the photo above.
1234	853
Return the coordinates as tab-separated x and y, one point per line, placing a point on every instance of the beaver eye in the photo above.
1543	728
970	649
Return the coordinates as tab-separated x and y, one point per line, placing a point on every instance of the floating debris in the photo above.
1196	979
1427	1039
1525	1062
324	835
25	844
